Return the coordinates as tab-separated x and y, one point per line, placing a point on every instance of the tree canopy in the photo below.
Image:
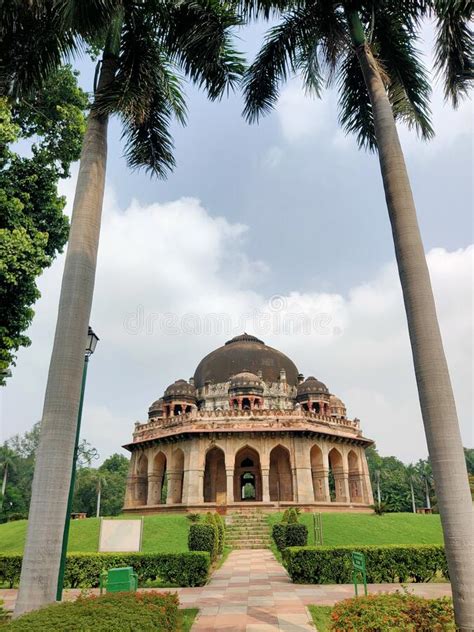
39	139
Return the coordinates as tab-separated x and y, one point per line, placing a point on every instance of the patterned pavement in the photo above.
252	592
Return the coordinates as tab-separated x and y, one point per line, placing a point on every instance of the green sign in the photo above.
358	568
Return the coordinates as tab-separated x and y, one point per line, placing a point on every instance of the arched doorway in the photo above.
336	477
247	475
141	485
318	474
355	478
215	484
175	477
280	478
157	480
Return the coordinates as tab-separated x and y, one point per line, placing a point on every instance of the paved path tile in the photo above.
252	592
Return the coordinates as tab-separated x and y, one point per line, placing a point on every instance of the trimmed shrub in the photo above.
292	516
115	611
279	535
285	516
389	563
210	519
193	517
296	535
83	569
203	537
382	613
221	528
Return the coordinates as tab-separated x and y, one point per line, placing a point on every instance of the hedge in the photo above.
83	569
383	613
203	537
115	611
289	534
390	563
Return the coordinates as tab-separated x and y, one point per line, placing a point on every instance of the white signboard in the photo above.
120	536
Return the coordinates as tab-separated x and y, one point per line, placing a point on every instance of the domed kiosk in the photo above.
247	431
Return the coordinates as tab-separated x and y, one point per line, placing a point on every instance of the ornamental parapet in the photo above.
245	421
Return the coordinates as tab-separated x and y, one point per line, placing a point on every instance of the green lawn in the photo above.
360	529
166	533
321	616
169	532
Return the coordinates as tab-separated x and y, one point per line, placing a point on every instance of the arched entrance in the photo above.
175	477
318	474
355	478
141	484
247	475
280	478
215	484
336	477
157	481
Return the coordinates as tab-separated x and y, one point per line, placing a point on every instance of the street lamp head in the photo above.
92	340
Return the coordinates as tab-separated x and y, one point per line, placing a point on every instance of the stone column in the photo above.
367	485
130	492
341	480
321	485
229	473
174	486
303	491
155	483
265	485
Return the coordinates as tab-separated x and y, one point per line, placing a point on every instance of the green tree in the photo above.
368	48
33	228
142	46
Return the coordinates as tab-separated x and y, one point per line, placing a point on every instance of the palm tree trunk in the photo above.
427	494
98	501
39	572
413	504
4	481
379	495
434	386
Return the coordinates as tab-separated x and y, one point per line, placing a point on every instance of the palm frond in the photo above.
285	51
355	109
146	94
88	17
198	37
32	45
408	87
454	49
255	9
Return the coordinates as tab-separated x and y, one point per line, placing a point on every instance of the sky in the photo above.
278	229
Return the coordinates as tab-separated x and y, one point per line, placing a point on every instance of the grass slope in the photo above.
360	529
168	533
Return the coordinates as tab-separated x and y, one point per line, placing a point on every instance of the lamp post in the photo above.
91	344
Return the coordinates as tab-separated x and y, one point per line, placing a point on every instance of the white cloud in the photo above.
174	282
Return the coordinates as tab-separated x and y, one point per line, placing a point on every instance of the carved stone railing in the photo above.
244	420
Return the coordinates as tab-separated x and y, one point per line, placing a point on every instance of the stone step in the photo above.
252	540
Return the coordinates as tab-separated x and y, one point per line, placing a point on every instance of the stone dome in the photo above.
156	409
244	353
246	381
180	390
311	386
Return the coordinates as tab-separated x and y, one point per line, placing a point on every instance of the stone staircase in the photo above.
247	531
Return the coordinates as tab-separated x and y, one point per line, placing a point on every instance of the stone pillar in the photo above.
341	480
129	500
303	490
321	485
229	472
367	485
174	487
265	485
155	483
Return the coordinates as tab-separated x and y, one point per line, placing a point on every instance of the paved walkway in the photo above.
251	592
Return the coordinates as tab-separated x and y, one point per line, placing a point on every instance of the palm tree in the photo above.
368	48
101	481
142	45
377	483
7	461
412	475
425	472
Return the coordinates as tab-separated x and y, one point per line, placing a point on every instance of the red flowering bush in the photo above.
120	612
384	613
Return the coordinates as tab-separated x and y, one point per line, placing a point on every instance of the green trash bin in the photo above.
119	580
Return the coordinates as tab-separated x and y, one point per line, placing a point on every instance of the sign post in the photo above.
358	568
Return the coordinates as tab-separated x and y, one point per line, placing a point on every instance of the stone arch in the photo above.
355	478
215	483
318	473
141	484
336	476
247	462
157	483
175	477
280	477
